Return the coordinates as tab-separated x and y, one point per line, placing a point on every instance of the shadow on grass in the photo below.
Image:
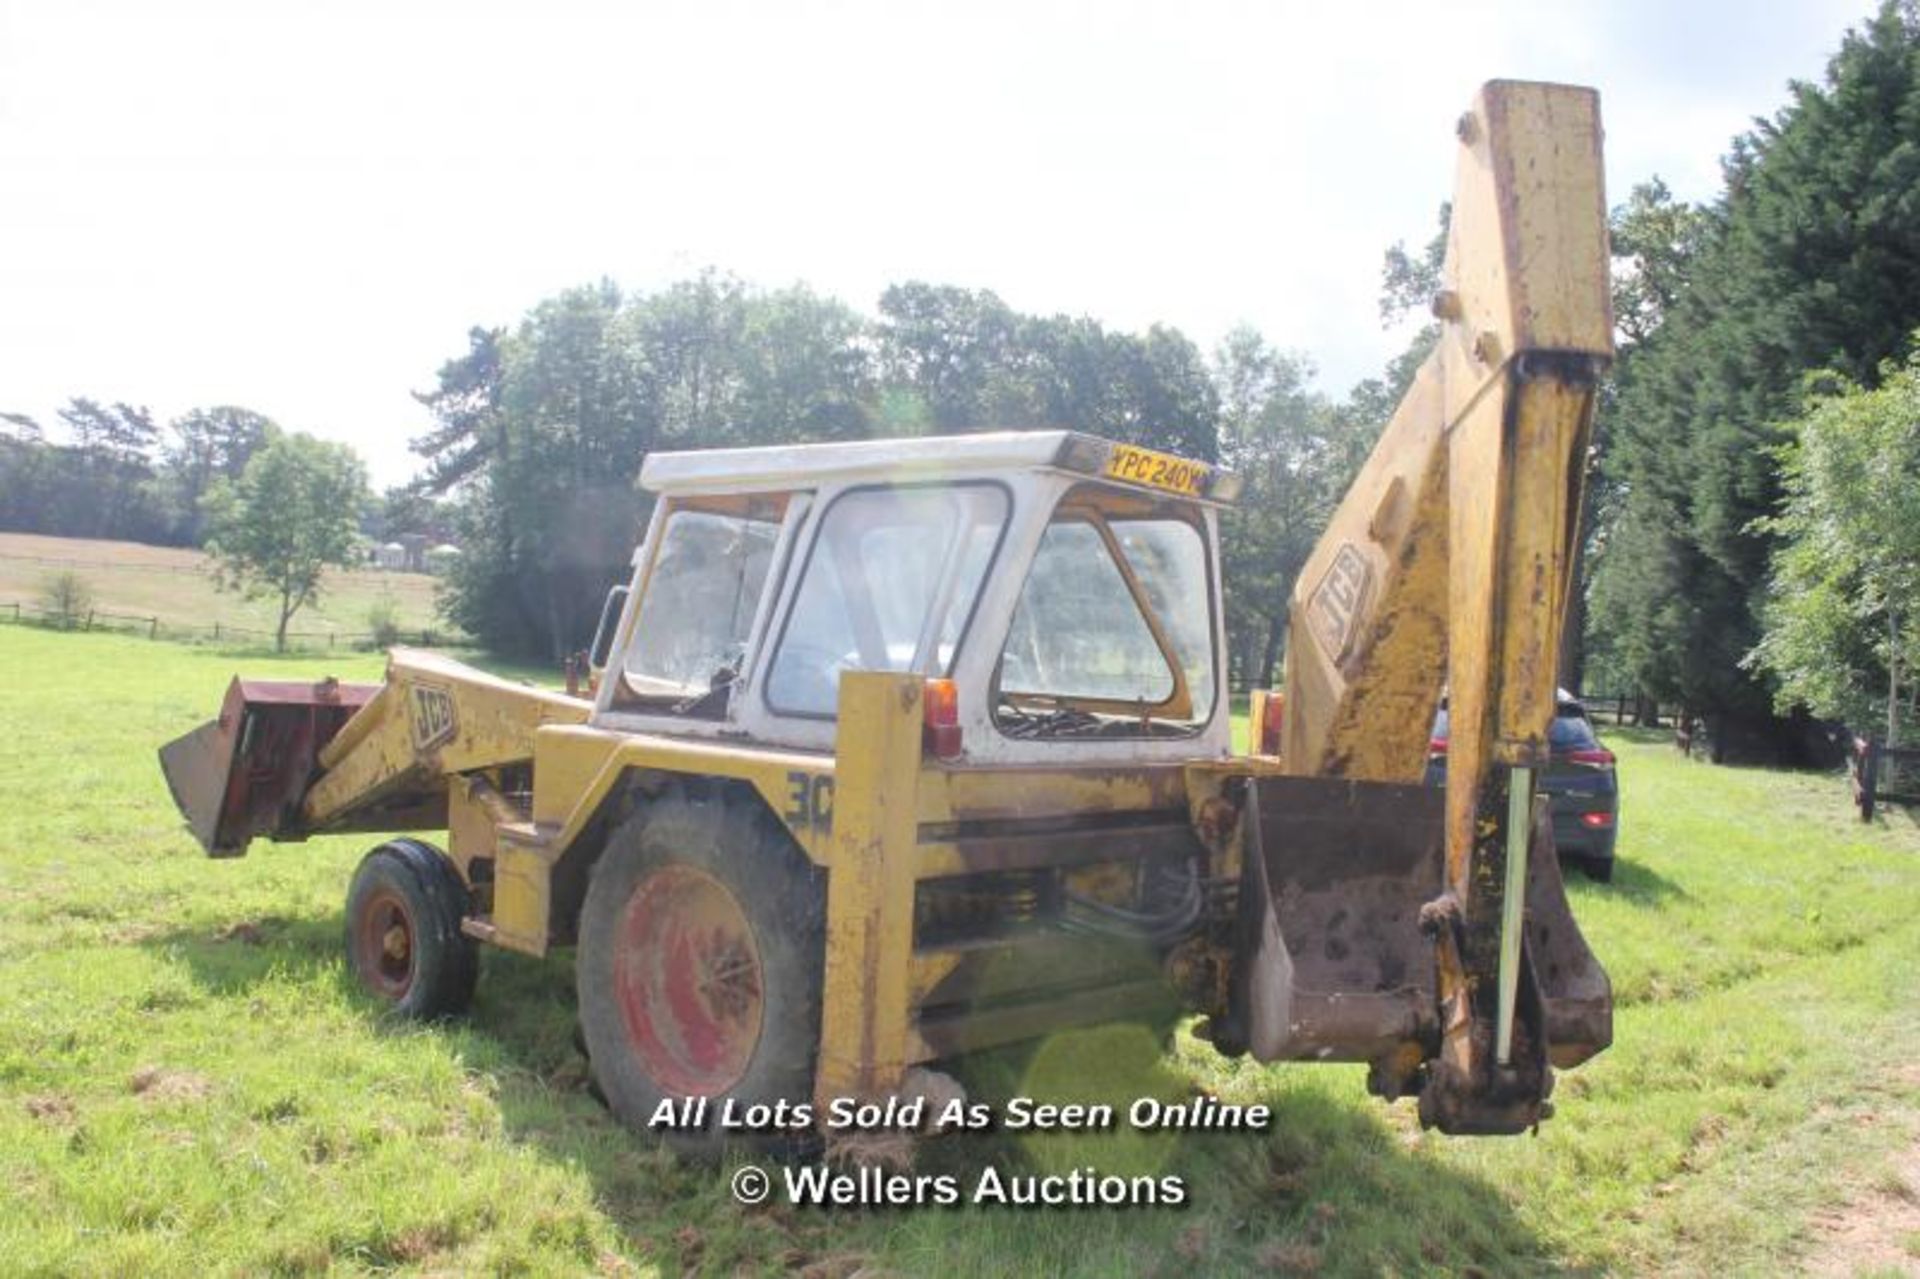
1637	883
1330	1187
232	958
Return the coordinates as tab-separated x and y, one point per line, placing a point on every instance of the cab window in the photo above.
1112	633
701	595
888	586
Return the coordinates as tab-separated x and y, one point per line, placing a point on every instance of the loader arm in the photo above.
1449	563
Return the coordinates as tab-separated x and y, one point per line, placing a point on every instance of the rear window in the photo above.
1571	733
1568	732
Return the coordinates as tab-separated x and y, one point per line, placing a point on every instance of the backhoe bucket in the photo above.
1340	911
245	773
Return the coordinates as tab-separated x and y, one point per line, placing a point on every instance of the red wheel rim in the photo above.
688	978
384	939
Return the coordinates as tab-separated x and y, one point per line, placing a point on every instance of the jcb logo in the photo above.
432	716
1340	602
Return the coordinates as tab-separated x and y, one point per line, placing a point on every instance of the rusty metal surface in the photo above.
1347	926
1577	994
244	773
1339	968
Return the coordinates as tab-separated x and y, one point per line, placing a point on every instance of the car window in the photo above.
1571	733
1566	732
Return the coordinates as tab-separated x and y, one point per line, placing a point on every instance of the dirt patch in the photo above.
1879	1231
51	1108
158	1083
246	931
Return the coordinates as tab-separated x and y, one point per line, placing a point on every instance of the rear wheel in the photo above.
702	945
404	942
1598	869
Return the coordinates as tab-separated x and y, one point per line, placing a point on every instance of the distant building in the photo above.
390	556
416	545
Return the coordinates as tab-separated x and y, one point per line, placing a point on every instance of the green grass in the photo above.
173	585
188	1086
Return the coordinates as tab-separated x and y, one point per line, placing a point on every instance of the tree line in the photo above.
1742	322
274	509
540	429
1745	551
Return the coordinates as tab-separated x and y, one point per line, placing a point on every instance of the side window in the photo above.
1112	635
888	586
1077	631
1169	557
699	605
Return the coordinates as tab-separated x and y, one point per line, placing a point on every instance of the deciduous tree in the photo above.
1840	612
294	511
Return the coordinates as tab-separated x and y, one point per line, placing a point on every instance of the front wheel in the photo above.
702	947
404	942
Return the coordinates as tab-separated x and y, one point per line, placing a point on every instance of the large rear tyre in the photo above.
702	948
404	942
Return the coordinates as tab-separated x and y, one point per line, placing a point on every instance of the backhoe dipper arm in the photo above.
1451	559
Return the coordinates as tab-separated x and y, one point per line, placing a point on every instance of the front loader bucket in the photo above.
245	773
1337	957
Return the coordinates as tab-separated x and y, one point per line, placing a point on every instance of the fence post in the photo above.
216	630
89	625
1870	782
153	628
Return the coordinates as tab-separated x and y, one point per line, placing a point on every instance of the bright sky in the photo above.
302	208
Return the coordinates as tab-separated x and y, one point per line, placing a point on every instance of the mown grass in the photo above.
175	585
189	1086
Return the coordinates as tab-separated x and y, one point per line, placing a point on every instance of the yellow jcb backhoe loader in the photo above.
904	749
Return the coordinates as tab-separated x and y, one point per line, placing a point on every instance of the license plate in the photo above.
1158	470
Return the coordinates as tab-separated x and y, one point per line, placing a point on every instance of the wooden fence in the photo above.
94	619
1869	761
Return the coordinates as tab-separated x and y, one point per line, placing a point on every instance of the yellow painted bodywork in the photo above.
865	1011
1451	556
433	718
1449	559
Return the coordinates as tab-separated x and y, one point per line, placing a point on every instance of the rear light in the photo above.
1597	821
940	705
1271	722
1437	749
1595	757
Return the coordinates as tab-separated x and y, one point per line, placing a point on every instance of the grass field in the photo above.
188	1086
171	583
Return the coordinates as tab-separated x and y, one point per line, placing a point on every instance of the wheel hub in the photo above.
687	974
385	941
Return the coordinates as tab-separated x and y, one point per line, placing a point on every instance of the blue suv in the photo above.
1582	789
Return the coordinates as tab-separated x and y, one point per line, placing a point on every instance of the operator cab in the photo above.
1066	587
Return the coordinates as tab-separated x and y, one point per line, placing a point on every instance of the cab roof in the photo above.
786	466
